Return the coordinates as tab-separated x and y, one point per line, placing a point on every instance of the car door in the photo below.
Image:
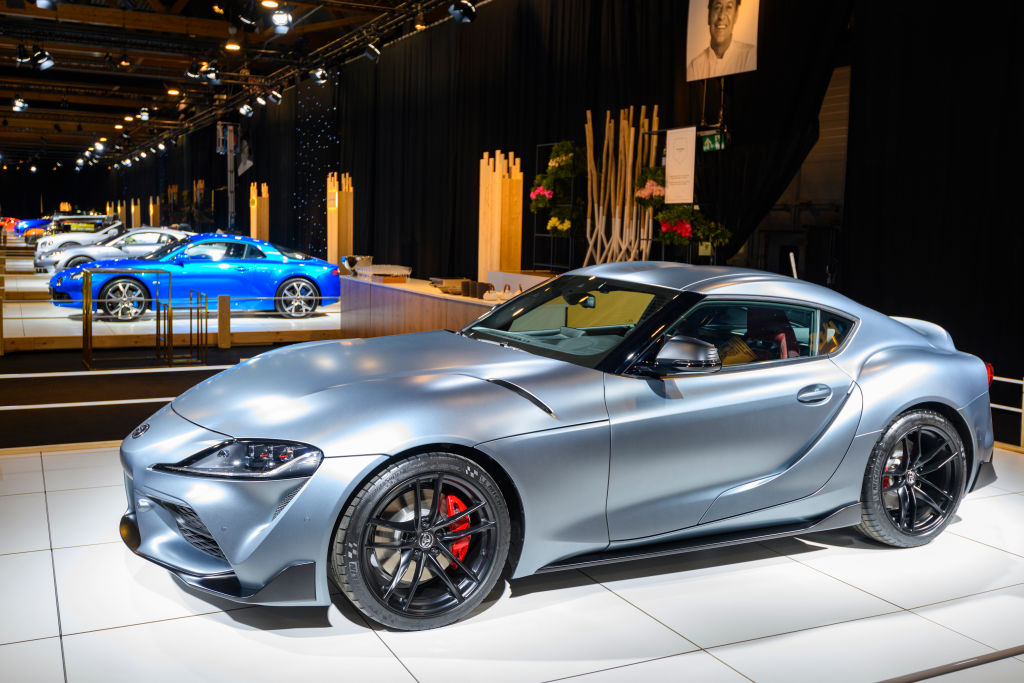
213	268
709	446
139	244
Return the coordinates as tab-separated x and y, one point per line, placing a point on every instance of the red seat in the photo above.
769	327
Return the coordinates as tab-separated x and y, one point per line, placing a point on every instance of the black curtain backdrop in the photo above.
932	226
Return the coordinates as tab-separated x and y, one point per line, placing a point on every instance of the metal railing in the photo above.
163	340
1019	446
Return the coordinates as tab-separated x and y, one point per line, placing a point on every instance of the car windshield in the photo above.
291	253
166	249
573	318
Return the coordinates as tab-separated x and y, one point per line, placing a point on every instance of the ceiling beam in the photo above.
136	21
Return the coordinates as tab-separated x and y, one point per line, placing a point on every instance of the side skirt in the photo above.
843	517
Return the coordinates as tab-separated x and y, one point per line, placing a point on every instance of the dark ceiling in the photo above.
112	58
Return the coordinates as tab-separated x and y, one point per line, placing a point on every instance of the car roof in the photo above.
203	236
724	281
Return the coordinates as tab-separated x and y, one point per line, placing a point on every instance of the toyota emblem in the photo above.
140	430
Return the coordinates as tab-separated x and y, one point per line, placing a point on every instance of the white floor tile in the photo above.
29	607
865	650
546	627
725	596
257	644
1009	468
995	521
1003	671
20	474
693	666
35	661
82	469
84	516
995	618
104	586
23	523
948	567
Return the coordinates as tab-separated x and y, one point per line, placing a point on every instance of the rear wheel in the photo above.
914	481
124	299
422	543
297	298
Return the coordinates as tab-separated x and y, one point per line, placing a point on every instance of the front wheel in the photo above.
77	261
296	298
124	299
914	481
422	543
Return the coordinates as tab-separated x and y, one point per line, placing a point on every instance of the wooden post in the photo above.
340	227
136	211
3	283
154	211
500	215
223	321
259	211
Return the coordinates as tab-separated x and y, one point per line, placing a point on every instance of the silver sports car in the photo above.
132	244
616	412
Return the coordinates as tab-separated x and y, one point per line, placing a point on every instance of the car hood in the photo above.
108	263
388	394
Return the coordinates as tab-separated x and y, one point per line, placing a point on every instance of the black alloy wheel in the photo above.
124	299
77	261
915	480
422	543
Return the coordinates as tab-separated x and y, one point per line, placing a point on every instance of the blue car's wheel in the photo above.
124	299
297	298
422	543
914	481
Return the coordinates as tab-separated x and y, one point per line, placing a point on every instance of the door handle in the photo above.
815	393
241	268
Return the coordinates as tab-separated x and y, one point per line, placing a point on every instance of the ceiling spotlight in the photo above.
79	161
88	153
33	169
282	21
193	70
269	4
117	166
211	73
420	23
23	55
173	92
127	162
261	100
129	119
136	157
46	4
118	126
103	139
152	150
126	136
142	154
144	114
78	168
274	96
19	105
245	109
59	164
319	76
42	59
372	53
161	146
232	45
248	14
125	60
99	147
462	11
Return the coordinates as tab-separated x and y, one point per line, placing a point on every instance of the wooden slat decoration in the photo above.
259	211
136	212
340	226
500	215
154	211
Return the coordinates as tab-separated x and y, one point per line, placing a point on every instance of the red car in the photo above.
9	223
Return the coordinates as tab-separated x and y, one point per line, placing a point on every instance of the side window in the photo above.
749	332
252	252
833	332
141	238
215	250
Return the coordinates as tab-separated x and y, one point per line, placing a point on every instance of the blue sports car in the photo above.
257	275
29	223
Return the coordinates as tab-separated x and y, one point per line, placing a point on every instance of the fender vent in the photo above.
284	501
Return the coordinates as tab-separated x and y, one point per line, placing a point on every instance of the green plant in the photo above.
679	223
650	188
552	190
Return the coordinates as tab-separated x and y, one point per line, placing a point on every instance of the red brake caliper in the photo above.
455	506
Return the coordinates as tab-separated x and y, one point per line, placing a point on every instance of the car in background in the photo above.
9	223
31	228
616	412
74	231
132	244
257	275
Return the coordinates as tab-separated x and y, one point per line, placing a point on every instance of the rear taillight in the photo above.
991	372
336	271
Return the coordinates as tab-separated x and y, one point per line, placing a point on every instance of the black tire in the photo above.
914	481
77	261
69	245
124	299
378	535
297	297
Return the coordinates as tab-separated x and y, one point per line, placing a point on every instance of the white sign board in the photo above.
680	157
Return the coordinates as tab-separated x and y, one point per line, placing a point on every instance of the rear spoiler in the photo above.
936	335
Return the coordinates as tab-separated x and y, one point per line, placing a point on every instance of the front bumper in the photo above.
262	542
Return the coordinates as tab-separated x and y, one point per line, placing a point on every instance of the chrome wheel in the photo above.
297	298
124	299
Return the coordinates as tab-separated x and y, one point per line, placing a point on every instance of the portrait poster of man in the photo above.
721	38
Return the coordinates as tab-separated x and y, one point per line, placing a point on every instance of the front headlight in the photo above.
251	459
78	276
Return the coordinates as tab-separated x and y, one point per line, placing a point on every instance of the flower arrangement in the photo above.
558	226
679	223
650	184
552	189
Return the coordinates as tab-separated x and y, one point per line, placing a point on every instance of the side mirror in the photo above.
681	356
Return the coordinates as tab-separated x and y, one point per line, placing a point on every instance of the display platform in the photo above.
78	604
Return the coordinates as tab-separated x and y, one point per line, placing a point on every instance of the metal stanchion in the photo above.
163	342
